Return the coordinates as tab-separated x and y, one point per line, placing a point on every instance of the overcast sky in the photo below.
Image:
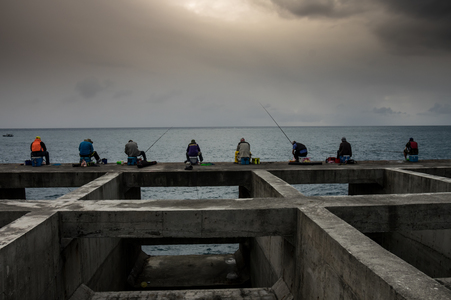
164	63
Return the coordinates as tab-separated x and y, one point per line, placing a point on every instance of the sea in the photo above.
218	144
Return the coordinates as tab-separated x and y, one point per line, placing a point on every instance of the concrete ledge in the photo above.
108	186
265	184
105	219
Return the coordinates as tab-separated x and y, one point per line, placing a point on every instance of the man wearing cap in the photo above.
244	149
192	150
38	149
87	150
411	148
131	149
345	149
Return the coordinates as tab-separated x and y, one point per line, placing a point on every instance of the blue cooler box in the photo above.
36	161
413	158
131	161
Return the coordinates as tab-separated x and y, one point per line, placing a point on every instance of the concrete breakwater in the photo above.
389	239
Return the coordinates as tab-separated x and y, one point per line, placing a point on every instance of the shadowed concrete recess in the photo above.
389	238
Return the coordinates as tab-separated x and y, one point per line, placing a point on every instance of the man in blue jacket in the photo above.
299	150
87	150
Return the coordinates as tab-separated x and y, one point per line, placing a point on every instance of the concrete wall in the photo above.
272	258
37	266
35	251
397	181
410	247
334	261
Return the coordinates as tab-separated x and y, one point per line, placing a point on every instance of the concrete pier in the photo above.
390	238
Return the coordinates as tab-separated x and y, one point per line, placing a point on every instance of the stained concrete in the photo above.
386	241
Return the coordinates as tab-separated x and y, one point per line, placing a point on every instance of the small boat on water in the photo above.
8	135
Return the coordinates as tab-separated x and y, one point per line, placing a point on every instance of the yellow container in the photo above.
236	156
256	161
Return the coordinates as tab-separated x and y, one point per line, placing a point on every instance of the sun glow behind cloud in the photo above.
226	10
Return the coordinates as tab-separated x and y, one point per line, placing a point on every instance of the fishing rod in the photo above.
157	139
275	122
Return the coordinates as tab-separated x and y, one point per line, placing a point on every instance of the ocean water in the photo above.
218	145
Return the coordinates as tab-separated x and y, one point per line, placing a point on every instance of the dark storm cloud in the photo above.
385	111
440	109
405	26
321	8
90	87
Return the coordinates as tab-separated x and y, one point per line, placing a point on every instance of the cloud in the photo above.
440	109
165	96
385	111
90	87
404	26
122	94
321	8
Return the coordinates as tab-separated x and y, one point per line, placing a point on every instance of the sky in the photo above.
196	63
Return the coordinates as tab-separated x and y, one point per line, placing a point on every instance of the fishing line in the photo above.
275	122
158	139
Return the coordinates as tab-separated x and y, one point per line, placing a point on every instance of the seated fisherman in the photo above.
299	150
87	150
38	149
192	150
345	149
411	148
244	149
131	149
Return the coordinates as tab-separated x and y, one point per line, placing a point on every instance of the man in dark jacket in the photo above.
345	148
411	148
299	150
192	150
38	149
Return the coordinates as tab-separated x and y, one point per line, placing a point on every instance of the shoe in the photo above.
98	162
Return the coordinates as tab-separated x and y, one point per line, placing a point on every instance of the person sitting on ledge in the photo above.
345	149
299	150
192	150
131	149
411	148
87	150
38	149
244	150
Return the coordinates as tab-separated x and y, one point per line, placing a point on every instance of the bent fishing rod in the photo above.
157	139
275	122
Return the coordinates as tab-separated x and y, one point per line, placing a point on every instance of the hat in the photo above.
242	140
193	141
38	137
89	140
343	139
411	139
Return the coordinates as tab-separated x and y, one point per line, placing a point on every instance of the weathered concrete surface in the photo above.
315	247
177	218
398	181
265	184
185	271
229	294
334	259
108	186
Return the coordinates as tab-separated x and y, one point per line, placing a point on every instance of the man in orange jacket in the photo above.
38	148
